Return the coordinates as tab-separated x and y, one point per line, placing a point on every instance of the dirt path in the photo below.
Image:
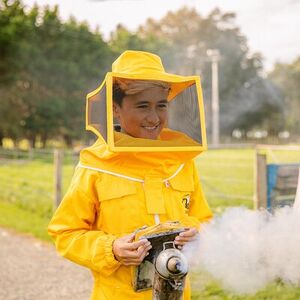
31	270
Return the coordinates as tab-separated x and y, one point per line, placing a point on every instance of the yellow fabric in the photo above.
153	195
161	164
168	138
100	207
144	65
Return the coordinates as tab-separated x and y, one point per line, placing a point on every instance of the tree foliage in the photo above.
189	35
48	65
47	75
287	77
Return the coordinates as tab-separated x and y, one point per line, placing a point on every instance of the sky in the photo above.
271	26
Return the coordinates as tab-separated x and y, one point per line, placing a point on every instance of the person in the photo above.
142	174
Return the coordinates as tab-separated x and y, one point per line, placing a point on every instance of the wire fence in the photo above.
28	178
227	177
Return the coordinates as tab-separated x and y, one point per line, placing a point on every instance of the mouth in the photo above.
151	128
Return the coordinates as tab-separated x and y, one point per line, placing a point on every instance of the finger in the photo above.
143	251
131	263
190	232
183	241
135	254
135	262
140	252
136	245
128	238
189	237
185	238
180	243
128	254
131	247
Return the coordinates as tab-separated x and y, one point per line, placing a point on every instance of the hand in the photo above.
190	234
130	253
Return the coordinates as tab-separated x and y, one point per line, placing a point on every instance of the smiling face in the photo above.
143	115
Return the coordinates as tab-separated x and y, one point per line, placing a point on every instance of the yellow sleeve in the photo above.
72	225
199	210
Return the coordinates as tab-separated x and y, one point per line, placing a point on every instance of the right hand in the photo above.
130	253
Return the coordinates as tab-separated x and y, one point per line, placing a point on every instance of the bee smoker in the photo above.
171	268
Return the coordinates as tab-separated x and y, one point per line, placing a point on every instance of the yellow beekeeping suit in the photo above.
107	200
123	183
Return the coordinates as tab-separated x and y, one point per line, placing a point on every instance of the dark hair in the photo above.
118	94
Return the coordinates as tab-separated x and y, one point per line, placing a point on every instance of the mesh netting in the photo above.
183	114
97	116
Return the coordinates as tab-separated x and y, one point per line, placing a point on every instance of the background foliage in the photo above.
48	65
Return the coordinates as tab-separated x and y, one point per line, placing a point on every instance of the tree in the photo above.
189	36
14	27
122	39
287	77
56	64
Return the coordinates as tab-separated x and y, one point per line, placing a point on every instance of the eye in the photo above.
142	106
163	105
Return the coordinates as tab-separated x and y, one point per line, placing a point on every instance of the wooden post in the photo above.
30	153
260	200
58	163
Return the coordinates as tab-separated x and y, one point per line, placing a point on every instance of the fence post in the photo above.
58	163
260	200
30	153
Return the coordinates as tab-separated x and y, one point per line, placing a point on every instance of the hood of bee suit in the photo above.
144	65
139	164
185	104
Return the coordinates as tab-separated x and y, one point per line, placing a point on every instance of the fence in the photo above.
276	182
227	177
33	181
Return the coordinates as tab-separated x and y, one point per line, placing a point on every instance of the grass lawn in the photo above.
26	202
275	291
12	216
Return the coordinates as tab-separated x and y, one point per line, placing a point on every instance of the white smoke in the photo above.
245	249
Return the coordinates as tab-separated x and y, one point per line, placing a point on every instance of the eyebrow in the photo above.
146	102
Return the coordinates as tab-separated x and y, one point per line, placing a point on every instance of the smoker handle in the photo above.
170	243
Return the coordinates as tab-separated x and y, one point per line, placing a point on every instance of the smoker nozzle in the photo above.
174	265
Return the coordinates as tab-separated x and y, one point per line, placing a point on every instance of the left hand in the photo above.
190	234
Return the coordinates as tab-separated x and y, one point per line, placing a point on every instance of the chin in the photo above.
145	135
150	136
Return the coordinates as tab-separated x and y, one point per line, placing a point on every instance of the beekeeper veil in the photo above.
185	126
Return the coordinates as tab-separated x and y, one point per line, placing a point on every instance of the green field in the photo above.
227	176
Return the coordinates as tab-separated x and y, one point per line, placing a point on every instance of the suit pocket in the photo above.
121	206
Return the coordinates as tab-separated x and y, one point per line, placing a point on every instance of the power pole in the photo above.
214	56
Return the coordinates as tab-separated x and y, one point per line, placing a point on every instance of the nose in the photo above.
152	117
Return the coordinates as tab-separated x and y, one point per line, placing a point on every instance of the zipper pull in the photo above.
167	183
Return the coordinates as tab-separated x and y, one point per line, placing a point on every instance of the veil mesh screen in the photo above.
183	114
97	112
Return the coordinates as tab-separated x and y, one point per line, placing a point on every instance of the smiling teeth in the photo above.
150	128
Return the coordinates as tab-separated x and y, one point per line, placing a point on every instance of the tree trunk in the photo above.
32	141
44	139
68	140
1	138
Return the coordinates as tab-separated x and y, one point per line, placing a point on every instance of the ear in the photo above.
116	110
